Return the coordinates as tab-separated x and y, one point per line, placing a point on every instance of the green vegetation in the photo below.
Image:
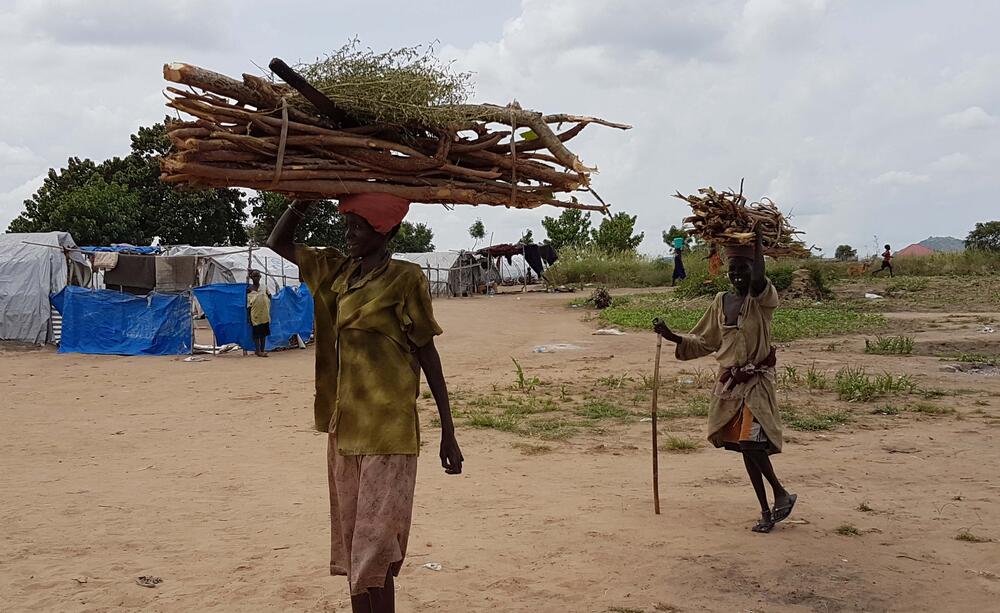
931	409
814	421
886	410
789	323
978	358
531	449
596	409
969	537
853	385
680	444
816	380
522	382
847	530
579	265
889	345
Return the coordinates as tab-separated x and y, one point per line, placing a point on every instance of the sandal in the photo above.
765	524
781	513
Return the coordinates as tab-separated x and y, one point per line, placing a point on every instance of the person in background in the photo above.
679	273
259	312
375	332
743	416
886	261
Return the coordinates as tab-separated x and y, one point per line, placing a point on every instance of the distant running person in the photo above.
886	261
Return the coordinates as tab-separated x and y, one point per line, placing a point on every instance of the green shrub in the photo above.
889	345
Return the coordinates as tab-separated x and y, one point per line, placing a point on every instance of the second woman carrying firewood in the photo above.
744	412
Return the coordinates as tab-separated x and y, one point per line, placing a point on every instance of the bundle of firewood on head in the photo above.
725	219
361	122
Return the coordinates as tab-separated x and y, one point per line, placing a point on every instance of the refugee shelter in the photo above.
34	266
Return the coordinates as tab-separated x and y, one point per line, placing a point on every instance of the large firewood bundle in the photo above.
306	142
725	218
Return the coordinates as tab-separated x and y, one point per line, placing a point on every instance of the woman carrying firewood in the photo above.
374	333
744	411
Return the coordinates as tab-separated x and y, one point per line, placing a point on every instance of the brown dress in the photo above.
750	406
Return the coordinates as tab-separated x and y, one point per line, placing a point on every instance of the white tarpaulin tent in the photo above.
229	265
33	267
436	266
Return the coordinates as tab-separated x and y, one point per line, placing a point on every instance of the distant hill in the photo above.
943	244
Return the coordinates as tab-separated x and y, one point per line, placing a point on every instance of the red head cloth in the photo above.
739	251
383	211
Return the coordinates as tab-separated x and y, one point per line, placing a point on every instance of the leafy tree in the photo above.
478	230
615	234
98	212
323	225
413	238
984	237
207	217
570	229
845	253
527	238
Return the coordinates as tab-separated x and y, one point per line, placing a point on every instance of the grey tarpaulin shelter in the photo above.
33	267
230	265
449	273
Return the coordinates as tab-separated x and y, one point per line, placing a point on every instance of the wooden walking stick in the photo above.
656	450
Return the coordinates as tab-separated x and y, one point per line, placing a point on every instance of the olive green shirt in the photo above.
367	374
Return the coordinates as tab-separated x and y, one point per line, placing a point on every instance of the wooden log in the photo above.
323	104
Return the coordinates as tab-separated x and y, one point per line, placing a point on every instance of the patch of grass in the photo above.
551	429
531	449
816	380
426	395
597	409
886	410
979	358
864	507
854	384
930	393
616	383
680	444
504	422
907	284
522	382
889	345
930	409
847	530
789	323
969	537
697	406
815	422
590	265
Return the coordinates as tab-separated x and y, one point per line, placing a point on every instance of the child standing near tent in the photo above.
744	412
375	332
259	311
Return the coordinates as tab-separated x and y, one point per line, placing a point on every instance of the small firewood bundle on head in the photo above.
725	218
361	122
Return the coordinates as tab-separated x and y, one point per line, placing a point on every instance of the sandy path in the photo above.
206	474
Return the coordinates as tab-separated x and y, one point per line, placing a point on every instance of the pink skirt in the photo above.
371	505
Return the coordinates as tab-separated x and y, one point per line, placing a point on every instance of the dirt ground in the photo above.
206	474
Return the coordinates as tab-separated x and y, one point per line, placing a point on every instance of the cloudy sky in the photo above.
861	118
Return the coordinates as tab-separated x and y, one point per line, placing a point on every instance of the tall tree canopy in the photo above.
615	234
570	229
984	237
121	200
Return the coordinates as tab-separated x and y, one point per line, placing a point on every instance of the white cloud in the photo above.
972	118
900	177
812	101
953	162
11	200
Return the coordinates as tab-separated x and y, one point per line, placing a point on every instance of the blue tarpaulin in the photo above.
291	314
225	307
124	249
109	322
